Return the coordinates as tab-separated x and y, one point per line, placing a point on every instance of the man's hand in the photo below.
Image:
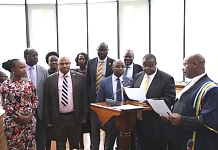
175	119
83	121
165	119
49	125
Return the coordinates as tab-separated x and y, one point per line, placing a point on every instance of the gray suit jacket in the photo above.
51	98
41	74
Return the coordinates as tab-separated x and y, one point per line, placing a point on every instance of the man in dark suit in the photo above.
108	89
152	130
131	68
93	77
65	104
37	74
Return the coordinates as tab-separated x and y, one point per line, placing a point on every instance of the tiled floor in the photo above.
86	142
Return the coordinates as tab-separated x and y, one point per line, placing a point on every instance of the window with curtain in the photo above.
72	29
134	28
167	35
12	32
102	20
42	29
202	33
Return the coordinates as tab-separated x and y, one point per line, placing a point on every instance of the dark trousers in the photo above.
95	126
110	137
67	128
150	143
40	133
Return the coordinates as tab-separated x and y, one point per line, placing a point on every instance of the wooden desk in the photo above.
124	120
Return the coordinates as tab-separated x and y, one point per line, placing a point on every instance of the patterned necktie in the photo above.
32	75
125	72
145	86
99	75
119	93
64	100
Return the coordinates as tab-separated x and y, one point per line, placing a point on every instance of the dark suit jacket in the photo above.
91	76
136	69
41	74
106	91
163	88
51	98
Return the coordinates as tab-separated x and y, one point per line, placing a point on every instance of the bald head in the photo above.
118	67
194	65
64	65
102	50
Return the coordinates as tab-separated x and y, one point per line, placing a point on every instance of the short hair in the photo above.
7	65
77	57
49	54
150	56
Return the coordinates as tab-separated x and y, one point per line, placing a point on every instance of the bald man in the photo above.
92	82
65	104
195	112
108	89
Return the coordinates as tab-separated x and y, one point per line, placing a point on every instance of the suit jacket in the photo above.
136	69
162	87
51	98
106	91
205	138
41	74
91	76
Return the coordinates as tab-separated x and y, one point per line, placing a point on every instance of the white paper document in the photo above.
160	107
127	107
135	93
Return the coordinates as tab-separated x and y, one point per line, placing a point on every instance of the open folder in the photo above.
159	106
135	94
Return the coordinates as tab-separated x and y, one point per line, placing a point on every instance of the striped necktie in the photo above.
145	86
99	75
64	100
125	72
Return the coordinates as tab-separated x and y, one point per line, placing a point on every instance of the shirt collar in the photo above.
130	66
104	60
195	79
28	67
151	76
114	78
62	75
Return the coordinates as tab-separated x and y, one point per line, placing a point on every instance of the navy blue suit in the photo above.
106	91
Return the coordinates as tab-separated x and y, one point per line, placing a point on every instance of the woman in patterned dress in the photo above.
19	100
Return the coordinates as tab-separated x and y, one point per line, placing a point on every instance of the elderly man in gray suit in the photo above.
38	75
65	104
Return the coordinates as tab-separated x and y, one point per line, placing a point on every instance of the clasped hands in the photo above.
25	119
175	119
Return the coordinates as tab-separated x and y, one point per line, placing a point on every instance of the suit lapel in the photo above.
108	65
109	83
55	79
153	83
139	81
